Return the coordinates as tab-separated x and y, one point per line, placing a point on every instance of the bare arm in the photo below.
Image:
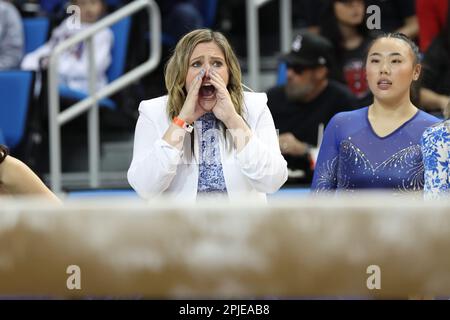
431	100
410	28
290	145
18	179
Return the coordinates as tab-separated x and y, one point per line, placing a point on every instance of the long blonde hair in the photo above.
178	64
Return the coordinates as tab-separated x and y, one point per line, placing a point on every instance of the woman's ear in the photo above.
417	70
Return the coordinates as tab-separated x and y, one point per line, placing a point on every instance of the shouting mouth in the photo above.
207	91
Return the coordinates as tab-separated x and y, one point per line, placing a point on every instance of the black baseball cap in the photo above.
309	50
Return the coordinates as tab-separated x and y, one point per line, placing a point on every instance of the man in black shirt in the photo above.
303	106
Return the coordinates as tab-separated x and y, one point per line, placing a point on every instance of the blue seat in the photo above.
281	74
36	32
15	93
71	94
121	31
116	69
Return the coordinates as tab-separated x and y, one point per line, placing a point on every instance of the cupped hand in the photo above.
191	110
224	109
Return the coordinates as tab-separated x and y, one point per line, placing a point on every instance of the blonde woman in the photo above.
206	136
16	178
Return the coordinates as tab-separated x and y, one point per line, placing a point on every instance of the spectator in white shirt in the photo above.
11	37
73	63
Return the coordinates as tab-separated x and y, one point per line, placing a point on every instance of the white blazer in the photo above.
158	167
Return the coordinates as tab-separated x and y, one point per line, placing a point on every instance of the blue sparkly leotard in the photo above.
352	156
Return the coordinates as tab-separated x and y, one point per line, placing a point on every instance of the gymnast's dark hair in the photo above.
398	35
4	152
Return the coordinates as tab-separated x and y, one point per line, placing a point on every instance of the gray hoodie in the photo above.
11	36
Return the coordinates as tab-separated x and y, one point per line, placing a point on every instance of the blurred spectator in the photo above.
56	9
342	22
308	100
73	63
397	16
432	15
11	36
435	91
232	21
28	8
306	14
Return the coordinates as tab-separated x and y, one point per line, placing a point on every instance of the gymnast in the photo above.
378	146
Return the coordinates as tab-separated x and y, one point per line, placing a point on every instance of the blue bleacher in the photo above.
35	32
15	93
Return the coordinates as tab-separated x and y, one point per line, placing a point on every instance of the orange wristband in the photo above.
183	124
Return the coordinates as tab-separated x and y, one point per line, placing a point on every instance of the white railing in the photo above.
57	119
253	36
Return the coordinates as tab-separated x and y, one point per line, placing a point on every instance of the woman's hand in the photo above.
290	145
191	111
224	109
